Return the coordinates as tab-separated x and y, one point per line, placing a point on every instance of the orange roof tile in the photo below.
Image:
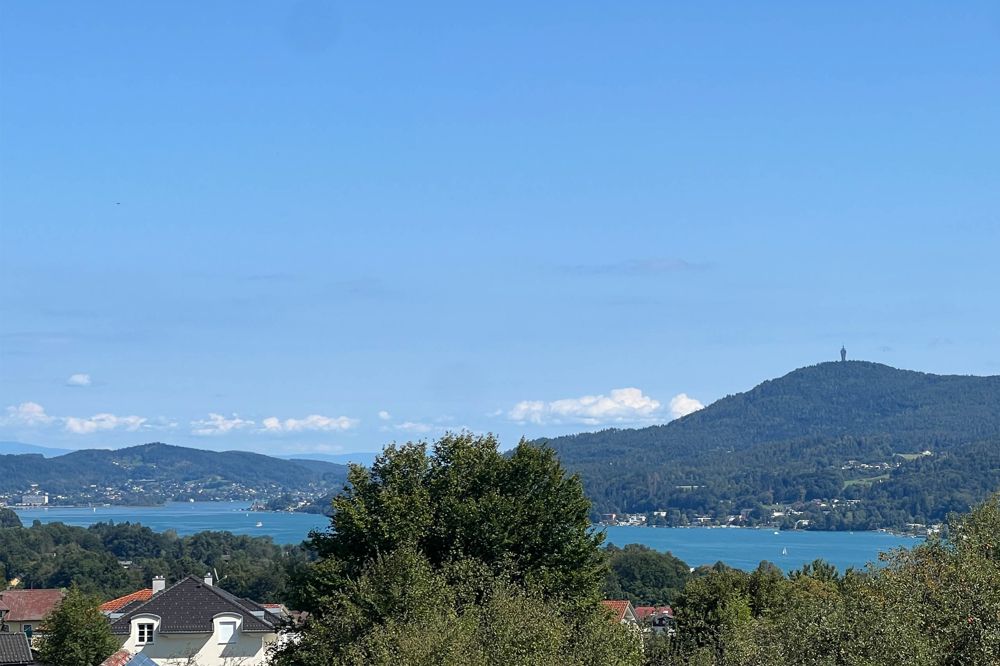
115	604
618	607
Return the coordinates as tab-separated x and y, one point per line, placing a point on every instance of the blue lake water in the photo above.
743	548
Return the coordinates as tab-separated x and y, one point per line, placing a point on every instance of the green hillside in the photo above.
845	431
161	471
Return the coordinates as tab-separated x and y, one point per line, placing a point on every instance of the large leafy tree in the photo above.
458	554
465	501
76	633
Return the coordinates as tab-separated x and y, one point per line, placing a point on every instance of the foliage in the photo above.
518	514
463	556
76	633
937	605
9	518
403	610
644	576
792	440
55	555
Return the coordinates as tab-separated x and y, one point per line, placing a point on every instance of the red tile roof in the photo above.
115	604
119	658
619	608
643	612
29	605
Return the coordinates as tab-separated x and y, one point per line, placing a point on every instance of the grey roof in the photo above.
14	649
187	607
140	660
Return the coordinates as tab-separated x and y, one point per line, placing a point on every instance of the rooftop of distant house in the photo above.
190	605
121	602
29	605
619	608
645	612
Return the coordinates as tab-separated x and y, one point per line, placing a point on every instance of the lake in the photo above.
743	548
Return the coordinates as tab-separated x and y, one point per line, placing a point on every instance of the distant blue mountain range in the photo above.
18	448
359	458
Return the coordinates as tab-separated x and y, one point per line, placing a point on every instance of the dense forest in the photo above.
889	445
110	559
155	472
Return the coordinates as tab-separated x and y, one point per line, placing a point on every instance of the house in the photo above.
621	611
15	650
194	621
658	619
23	610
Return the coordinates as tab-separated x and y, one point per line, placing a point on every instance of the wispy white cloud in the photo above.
416	427
384	415
623	405
682	404
217	424
78	379
97	422
312	422
628	405
32	414
27	414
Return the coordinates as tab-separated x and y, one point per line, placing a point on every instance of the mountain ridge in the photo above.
164	471
816	433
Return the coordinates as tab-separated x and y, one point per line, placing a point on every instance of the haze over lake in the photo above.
742	548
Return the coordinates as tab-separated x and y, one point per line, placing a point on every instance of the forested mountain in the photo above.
852	431
160	471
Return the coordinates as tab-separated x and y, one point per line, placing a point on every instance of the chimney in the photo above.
159	584
208	579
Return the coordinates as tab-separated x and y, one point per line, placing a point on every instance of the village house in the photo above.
657	619
193	621
621	611
22	611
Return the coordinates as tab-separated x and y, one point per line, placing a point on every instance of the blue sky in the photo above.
323	226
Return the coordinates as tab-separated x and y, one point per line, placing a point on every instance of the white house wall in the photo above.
204	649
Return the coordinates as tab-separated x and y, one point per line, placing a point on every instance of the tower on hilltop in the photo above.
843	353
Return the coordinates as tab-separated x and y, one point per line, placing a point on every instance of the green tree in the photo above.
76	633
518	513
643	575
8	518
463	556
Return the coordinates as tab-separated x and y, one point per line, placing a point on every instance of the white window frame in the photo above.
232	635
144	632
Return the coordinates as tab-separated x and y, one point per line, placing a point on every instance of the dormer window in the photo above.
227	632
145	633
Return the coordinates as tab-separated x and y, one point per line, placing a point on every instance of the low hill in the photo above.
18	448
159	471
855	432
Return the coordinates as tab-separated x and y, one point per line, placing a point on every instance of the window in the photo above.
227	632
145	633
28	629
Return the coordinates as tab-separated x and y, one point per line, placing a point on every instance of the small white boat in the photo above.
784	551
259	524
777	532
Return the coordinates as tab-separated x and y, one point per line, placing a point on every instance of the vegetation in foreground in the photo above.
459	555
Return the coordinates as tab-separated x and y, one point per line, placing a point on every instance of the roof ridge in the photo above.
235	600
